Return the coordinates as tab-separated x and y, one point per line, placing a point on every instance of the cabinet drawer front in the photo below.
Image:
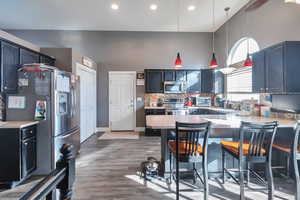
28	132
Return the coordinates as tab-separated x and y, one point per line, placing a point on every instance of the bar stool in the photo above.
190	146
292	151
254	146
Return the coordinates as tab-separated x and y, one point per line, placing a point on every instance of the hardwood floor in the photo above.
106	170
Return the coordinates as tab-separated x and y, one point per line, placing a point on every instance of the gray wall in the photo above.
272	23
116	51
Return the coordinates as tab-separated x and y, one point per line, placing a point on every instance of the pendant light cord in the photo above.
227	32
214	24
247	36
178	15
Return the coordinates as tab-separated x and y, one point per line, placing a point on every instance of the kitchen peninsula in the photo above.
224	127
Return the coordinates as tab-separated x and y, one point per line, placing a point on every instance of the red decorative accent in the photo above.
32	69
213	62
248	62
178	62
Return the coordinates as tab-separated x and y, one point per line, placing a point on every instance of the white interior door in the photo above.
88	105
122	100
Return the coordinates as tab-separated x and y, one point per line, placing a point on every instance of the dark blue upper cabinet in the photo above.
197	81
28	57
169	75
275	69
259	72
218	82
207	81
193	81
292	67
180	75
154	81
9	66
47	60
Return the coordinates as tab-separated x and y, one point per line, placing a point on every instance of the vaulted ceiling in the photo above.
131	15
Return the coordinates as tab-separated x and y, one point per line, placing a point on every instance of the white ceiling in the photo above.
133	15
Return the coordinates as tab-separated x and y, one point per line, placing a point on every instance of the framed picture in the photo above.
140	75
140	78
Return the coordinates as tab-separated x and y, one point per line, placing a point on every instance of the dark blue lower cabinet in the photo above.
18	154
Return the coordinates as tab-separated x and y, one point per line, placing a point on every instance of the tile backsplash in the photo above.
154	97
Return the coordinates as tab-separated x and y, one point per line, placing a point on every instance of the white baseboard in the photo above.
140	129
102	129
105	129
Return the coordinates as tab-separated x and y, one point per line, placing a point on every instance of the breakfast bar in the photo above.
224	127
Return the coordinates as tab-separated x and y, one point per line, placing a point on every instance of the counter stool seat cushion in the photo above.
283	147
234	147
185	147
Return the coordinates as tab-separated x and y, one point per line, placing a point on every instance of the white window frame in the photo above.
239	95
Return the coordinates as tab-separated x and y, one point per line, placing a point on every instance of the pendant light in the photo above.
213	63
227	69
248	62
178	61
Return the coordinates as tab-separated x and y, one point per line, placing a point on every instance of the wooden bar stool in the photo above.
190	146
292	151
254	146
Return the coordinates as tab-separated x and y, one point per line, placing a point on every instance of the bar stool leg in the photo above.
248	173
205	176
295	163
194	173
288	166
171	169
177	173
270	180
223	166
241	178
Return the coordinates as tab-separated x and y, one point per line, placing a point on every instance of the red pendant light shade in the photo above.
178	62
248	62
213	62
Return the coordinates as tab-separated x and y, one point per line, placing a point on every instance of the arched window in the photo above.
239	51
239	83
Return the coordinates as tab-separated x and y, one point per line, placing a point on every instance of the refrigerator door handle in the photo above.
72	102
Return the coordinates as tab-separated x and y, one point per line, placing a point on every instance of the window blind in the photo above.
240	81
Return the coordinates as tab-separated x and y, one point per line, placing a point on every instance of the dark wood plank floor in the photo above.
106	170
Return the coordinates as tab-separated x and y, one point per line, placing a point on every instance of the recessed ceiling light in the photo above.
114	6
191	8
153	7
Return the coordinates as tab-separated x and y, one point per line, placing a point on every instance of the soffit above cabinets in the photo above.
132	15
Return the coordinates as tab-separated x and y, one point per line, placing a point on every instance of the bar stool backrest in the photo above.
194	136
295	145
260	137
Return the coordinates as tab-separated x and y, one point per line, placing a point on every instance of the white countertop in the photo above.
17	124
218	121
154	107
196	107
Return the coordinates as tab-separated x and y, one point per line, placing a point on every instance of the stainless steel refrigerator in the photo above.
59	91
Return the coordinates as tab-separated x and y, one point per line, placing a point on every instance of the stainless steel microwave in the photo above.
175	87
203	101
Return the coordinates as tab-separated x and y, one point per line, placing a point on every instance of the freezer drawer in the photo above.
72	138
